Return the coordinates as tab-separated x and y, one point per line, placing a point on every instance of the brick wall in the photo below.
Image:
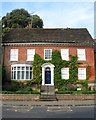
40	50
35	97
75	97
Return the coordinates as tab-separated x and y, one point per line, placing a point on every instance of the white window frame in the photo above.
81	73
65	73
30	54
65	54
49	55
81	53
14	55
14	70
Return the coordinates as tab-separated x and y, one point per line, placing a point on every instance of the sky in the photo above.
57	14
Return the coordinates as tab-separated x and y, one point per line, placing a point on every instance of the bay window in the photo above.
21	72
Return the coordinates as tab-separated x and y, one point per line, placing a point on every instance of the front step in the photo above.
47	93
47	90
48	97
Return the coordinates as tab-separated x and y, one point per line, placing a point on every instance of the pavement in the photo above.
53	109
50	103
48	109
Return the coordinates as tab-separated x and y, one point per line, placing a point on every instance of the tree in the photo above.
20	18
37	22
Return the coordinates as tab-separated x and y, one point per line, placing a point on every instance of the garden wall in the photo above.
75	97
25	97
35	97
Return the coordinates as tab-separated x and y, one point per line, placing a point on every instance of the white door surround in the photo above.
51	66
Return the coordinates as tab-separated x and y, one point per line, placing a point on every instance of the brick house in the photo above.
95	55
20	46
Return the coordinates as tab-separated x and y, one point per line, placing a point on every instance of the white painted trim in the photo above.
39	43
44	66
21	65
65	51
16	50
84	54
67	69
32	56
84	73
50	51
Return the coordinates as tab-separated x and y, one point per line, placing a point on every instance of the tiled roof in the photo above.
68	35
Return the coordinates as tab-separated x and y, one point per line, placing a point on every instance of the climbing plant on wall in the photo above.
37	71
73	69
72	64
59	64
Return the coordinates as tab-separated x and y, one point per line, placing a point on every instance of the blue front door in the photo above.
47	76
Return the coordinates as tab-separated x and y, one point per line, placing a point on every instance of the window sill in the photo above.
21	80
47	59
82	60
82	79
29	60
13	60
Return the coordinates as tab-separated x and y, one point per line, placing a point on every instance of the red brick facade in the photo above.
22	56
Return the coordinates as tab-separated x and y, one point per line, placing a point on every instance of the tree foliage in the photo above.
20	18
37	22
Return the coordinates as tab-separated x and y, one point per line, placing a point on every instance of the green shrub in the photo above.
64	92
88	92
63	88
20	92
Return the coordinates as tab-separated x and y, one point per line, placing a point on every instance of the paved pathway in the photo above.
48	109
51	103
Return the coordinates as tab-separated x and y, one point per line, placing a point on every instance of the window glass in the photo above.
27	68
30	54
22	75
14	75
65	54
14	55
65	73
27	75
81	54
23	72
14	68
30	68
18	68
23	68
81	73
18	75
47	54
30	74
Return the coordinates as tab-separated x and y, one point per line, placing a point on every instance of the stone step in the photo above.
48	98
47	89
